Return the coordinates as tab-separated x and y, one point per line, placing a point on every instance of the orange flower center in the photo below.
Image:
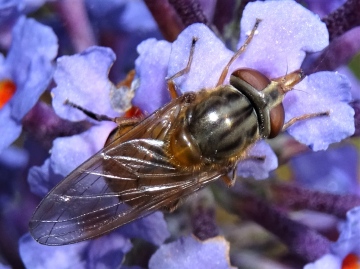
351	261
7	90
133	112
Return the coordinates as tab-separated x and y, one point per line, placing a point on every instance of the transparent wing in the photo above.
128	179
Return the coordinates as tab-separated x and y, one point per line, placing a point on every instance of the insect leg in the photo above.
88	113
237	54
124	125
173	206
304	117
230	181
255	158
170	80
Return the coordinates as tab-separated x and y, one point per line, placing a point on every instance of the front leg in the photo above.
230	181
304	117
170	80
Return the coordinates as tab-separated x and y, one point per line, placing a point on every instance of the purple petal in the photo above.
3	266
33	48
38	256
151	67
121	16
321	92
152	228
42	179
83	80
11	127
354	81
9	11
208	7
3	68
28	65
257	168
69	152
107	251
351	228
328	261
287	31
32	5
324	7
13	161
14	158
334	170
348	241
209	59
102	10
189	252
130	21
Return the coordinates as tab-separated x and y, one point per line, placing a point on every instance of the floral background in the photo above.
299	208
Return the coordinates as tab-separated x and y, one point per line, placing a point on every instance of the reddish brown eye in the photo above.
259	81
277	118
253	77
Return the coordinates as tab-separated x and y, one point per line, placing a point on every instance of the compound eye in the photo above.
259	81
277	118
253	77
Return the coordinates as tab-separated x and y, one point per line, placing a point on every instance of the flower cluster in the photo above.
289	37
28	68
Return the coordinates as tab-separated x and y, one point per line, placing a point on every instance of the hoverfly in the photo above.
193	140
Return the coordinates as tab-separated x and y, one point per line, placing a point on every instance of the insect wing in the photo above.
128	179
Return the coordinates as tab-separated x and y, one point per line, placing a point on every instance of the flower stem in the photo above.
189	11
203	222
169	22
300	239
44	125
74	16
343	19
296	197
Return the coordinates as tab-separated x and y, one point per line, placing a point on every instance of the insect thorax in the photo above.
223	123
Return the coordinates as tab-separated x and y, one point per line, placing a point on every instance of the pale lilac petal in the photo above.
353	79
209	59
333	170
130	21
28	65
323	7
287	31
37	256
69	152
151	67
10	126
107	252
83	80
189	252
328	261
33	48
257	168
42	179
348	241
152	228
321	92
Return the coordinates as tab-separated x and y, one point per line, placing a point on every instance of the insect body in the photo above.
193	140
